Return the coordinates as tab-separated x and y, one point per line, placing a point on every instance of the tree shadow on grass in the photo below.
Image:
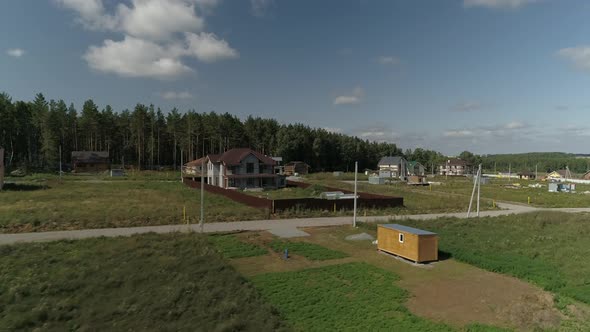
23	187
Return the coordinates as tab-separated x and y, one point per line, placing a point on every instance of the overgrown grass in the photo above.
231	247
98	204
417	200
142	283
497	190
548	249
311	251
346	297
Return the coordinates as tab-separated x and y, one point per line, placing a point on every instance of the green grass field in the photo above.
310	251
142	283
50	205
232	247
498	191
548	249
345	297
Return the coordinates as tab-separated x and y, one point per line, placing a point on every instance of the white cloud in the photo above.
208	48
157	36
388	60
134	57
260	8
458	133
15	52
354	98
159	19
497	3
514	125
170	95
579	56
467	106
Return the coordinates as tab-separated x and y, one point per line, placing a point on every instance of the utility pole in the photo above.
356	165
476	183
509	171
536	175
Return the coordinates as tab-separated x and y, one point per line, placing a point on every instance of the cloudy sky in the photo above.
489	76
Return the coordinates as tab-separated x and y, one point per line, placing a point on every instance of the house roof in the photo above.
90	156
214	158
412	164
407	229
526	173
235	156
197	162
390	160
456	162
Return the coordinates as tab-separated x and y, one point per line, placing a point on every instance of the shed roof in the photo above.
456	162
197	162
390	160
407	229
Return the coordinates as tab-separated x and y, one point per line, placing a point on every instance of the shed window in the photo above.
401	238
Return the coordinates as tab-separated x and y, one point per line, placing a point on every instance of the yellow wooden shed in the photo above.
408	242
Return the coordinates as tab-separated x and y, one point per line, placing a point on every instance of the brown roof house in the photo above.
298	167
454	166
90	161
526	175
194	168
243	168
586	176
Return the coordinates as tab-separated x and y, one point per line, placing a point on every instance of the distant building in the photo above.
195	167
298	167
243	168
90	161
586	176
454	166
527	175
415	168
393	167
559	174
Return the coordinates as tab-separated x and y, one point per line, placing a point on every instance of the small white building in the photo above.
393	167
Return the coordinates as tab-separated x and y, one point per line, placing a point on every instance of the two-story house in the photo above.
243	168
454	166
393	167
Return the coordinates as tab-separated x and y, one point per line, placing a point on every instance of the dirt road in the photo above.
283	226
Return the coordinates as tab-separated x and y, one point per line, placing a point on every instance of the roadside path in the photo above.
281	227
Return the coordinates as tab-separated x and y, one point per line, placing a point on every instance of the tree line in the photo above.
34	133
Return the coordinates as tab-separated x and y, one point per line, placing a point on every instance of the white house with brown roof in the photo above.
454	166
241	168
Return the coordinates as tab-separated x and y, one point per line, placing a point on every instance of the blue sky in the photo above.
489	76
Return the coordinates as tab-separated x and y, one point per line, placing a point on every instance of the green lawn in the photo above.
417	200
498	191
232	247
311	251
548	249
141	283
346	297
50	205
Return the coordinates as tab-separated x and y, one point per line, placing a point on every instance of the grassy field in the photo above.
308	250
51	205
232	247
417	200
150	282
548	249
497	190
345	297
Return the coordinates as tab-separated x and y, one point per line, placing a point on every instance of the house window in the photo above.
250	182
250	168
401	238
